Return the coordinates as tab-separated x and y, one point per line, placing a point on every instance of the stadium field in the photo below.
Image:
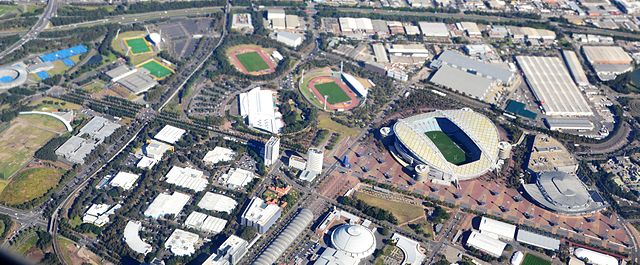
333	92
252	61
138	45
534	260
447	147
156	69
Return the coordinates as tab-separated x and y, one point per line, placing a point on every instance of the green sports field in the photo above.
534	260
447	147
333	91
138	45
156	69
252	61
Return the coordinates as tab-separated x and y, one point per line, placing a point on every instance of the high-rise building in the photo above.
260	215
315	158
271	151
229	253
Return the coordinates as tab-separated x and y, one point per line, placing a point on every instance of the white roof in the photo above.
217	202
260	110
413	252
501	229
170	134
434	29
596	258
486	243
146	163
517	258
133	240
124	180
259	212
189	178
166	204
355	84
182	243
332	256
237	177
97	209
234	247
354	239
606	55
206	223
219	154
155	149
538	240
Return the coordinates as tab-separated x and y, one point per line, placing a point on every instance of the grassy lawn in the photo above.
156	69
30	184
534	260
333	92
402	211
94	87
23	138
56	104
325	122
6	9
25	243
252	61
138	45
447	147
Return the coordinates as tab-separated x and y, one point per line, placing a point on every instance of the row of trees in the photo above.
375	212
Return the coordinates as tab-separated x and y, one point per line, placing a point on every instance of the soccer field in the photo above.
252	61
447	147
534	260
333	91
156	69
138	45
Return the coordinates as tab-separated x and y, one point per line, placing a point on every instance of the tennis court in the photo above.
156	69
252	61
333	92
138	45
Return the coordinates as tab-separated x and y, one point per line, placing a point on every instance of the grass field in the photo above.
402	211
119	45
333	92
325	122
25	243
55	105
156	69
252	61
6	9
534	260
447	147
20	141
30	184
94	87
138	45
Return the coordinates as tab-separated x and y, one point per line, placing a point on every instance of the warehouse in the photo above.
135	80
206	223
276	248
608	61
260	215
569	124
76	149
380	53
491	71
501	229
553	87
170	134
538	240
165	204
218	154
413	50
486	244
188	178
290	39
434	29
237	178
575	68
217	202
98	128
463	82
124	180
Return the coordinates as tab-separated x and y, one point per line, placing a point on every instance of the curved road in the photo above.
42	22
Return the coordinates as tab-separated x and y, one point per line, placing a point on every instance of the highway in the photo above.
42	23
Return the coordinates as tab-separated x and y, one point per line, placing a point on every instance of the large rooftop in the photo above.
217	202
165	204
490	70
563	192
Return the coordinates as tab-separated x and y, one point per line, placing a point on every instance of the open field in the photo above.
25	243
53	104
6	9
534	260
402	211
23	138
138	45
157	69
29	184
447	147
74	255
252	61
95	86
325	122
333	92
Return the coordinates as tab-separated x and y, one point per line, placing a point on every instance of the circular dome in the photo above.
356	240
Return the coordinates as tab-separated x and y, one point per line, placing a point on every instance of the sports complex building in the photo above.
564	193
12	76
447	144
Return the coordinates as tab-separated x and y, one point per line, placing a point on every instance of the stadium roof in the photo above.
133	240
218	154
206	223
463	82
410	132
562	192
189	178
553	86
165	204
217	202
182	243
170	134
498	228
271	254
538	240
124	180
355	85
486	244
490	70
259	108
413	252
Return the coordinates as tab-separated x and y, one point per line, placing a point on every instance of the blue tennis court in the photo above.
43	75
64	54
68	62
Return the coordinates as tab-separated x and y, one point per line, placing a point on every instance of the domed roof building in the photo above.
355	240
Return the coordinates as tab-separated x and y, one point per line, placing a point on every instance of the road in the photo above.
42	22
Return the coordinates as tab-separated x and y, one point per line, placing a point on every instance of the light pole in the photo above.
325	102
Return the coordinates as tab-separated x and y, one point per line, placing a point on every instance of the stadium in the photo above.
456	144
333	90
564	193
12	76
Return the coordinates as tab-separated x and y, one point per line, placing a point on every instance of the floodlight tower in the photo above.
341	66
325	102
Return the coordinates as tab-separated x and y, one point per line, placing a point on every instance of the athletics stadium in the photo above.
453	144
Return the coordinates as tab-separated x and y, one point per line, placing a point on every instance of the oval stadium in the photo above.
12	76
460	144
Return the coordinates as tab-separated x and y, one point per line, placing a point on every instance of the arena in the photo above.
12	76
450	144
564	193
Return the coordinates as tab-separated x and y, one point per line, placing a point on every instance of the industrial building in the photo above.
259	110
608	61
271	151
133	240
290	39
217	203
564	193
236	178
575	68
242	22
410	50
497	228
260	215
492	71
188	178
473	132
182	243
229	253
124	180
217	155
537	240
276	248
78	147
355	25
203	222
380	53
155	149
486	244
98	214
434	29
553	86
548	154
463	82
136	80
165	204
170	134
